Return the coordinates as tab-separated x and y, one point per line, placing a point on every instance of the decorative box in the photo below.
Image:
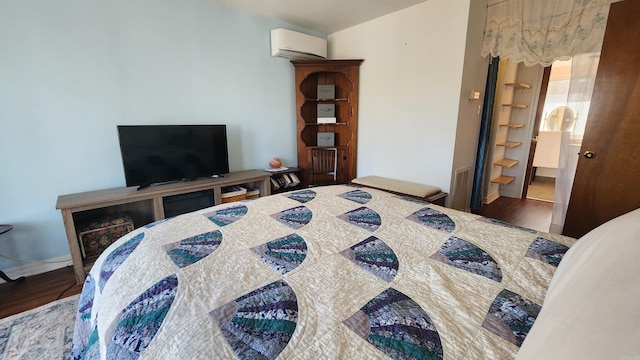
326	91
326	111
97	235
326	139
327	120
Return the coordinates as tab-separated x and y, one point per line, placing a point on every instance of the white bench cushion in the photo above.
399	186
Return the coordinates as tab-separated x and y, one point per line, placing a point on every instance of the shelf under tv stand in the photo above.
143	205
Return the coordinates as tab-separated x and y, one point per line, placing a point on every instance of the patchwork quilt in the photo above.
335	272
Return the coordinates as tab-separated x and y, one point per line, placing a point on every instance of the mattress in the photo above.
334	272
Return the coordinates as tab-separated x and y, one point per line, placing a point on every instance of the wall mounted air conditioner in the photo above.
297	46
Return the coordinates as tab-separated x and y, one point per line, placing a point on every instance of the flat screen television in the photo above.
156	154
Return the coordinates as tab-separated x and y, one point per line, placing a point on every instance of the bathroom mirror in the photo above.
560	119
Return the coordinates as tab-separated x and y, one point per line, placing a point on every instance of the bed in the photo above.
334	272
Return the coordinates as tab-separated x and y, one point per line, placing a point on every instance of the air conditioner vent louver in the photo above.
296	55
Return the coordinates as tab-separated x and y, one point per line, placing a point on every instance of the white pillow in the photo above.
592	307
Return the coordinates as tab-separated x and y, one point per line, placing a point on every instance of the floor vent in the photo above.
462	190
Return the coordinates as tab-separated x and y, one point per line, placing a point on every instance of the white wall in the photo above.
532	76
474	78
71	70
410	90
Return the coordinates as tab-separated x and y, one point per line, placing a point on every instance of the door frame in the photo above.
536	129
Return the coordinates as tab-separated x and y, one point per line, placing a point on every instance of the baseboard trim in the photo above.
38	267
491	197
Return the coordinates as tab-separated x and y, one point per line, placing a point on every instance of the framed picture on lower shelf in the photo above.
326	138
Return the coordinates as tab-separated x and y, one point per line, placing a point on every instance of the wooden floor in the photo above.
37	290
43	288
532	214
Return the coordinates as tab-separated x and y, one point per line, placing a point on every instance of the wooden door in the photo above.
608	184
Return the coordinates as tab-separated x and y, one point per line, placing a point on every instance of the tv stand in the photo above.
144	205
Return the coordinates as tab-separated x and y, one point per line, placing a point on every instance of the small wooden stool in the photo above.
427	193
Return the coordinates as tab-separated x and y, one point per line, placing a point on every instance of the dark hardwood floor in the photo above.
532	214
37	290
41	289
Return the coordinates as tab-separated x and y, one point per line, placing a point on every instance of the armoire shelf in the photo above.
516	106
518	85
509	144
326	124
327	100
513	126
343	75
506	163
503	180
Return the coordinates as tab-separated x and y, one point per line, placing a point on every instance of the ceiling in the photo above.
324	16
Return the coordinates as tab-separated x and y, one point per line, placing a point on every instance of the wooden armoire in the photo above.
315	129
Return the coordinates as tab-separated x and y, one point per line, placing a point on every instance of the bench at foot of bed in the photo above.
428	193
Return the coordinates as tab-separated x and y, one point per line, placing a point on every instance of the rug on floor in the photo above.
45	332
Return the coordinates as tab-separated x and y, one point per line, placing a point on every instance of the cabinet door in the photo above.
345	163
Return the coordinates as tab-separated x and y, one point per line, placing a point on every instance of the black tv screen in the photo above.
155	154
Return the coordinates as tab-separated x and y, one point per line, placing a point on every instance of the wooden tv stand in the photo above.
143	206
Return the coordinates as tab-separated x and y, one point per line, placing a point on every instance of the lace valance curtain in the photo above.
542	31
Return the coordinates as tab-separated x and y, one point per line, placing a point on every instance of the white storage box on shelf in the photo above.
252	193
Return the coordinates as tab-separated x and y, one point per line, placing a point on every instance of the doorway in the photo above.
561	129
554	118
557	109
